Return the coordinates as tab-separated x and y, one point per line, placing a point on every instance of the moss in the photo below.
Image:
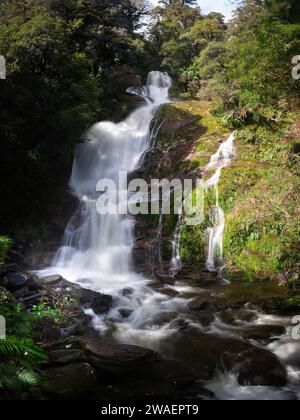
259	191
192	244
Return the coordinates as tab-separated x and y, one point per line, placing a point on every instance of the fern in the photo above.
13	347
19	358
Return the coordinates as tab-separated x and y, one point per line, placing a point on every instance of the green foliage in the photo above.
18	359
42	310
19	356
68	66
192	242
5	244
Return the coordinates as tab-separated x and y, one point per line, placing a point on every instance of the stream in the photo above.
97	254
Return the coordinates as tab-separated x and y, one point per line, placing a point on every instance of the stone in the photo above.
166	279
14	281
262	332
256	367
280	279
110	358
125	313
70	382
98	302
51	280
209	353
201	302
8	268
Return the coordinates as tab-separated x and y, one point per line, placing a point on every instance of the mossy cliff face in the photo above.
259	191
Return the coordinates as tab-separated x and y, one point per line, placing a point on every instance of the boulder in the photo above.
262	332
8	268
209	353
98	302
14	281
69	382
110	358
201	302
256	367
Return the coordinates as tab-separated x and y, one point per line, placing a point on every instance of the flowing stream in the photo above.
97	250
218	161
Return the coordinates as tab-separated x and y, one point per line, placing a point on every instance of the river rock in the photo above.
69	382
256	367
235	317
71	349
14	281
98	302
8	268
201	302
166	279
210	353
51	280
110	358
262	332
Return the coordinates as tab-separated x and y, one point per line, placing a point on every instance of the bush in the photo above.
5	244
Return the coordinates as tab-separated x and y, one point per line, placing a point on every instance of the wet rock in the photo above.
98	302
51	280
262	332
209	353
230	316
169	292
282	306
125	313
8	268
69	350
166	279
70	382
256	367
205	318
128	291
22	293
109	358
280	279
201	302
14	281
178	324
161	318
47	331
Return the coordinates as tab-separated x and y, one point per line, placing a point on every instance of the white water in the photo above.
97	249
176	263
218	161
287	349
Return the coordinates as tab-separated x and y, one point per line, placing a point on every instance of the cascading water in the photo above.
97	251
98	248
219	160
176	262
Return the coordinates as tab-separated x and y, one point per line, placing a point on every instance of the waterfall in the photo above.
176	262
218	161
98	248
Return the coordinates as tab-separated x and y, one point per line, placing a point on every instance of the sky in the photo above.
223	6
